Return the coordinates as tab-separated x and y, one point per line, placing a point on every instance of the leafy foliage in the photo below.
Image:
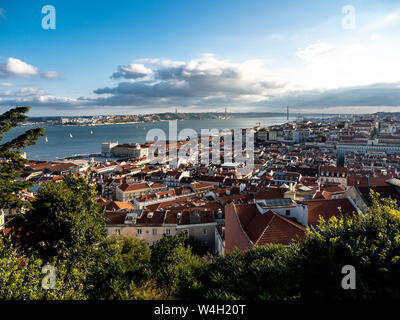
260	273
65	222
11	160
122	264
21	278
370	243
173	265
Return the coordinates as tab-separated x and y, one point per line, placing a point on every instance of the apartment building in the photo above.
127	192
151	226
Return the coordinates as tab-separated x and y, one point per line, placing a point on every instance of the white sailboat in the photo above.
46	139
91	131
70	135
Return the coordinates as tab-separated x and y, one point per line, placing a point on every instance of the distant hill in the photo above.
165	116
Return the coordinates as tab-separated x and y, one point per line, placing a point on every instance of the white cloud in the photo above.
132	71
6	84
350	63
6	93
382	21
43	100
347	69
51	75
376	36
162	63
55	99
194	81
16	67
24	92
314	50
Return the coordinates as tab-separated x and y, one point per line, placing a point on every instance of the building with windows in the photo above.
151	226
332	175
127	192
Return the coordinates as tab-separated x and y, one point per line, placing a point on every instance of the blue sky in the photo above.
152	56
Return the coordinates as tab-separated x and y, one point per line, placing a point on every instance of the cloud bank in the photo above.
206	83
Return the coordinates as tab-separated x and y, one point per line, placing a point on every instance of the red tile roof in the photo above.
328	209
280	230
133	187
149	217
118	205
115	217
270	193
201	185
204	217
140	186
270	227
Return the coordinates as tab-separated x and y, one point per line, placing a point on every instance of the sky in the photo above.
145	56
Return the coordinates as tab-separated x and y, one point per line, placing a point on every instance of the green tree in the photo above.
369	242
173	265
262	273
197	246
11	160
65	222
122	267
21	278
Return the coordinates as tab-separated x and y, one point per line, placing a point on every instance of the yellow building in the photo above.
126	192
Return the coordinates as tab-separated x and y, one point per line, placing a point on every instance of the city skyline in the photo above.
144	57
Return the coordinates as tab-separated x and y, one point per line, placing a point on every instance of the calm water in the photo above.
60	145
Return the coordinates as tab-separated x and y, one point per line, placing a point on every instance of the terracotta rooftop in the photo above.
150	217
328	209
115	217
270	227
270	193
118	205
204	217
332	188
140	186
384	191
201	185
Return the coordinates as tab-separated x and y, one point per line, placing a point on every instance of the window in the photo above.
117	231
204	231
167	232
154	232
287	212
138	232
